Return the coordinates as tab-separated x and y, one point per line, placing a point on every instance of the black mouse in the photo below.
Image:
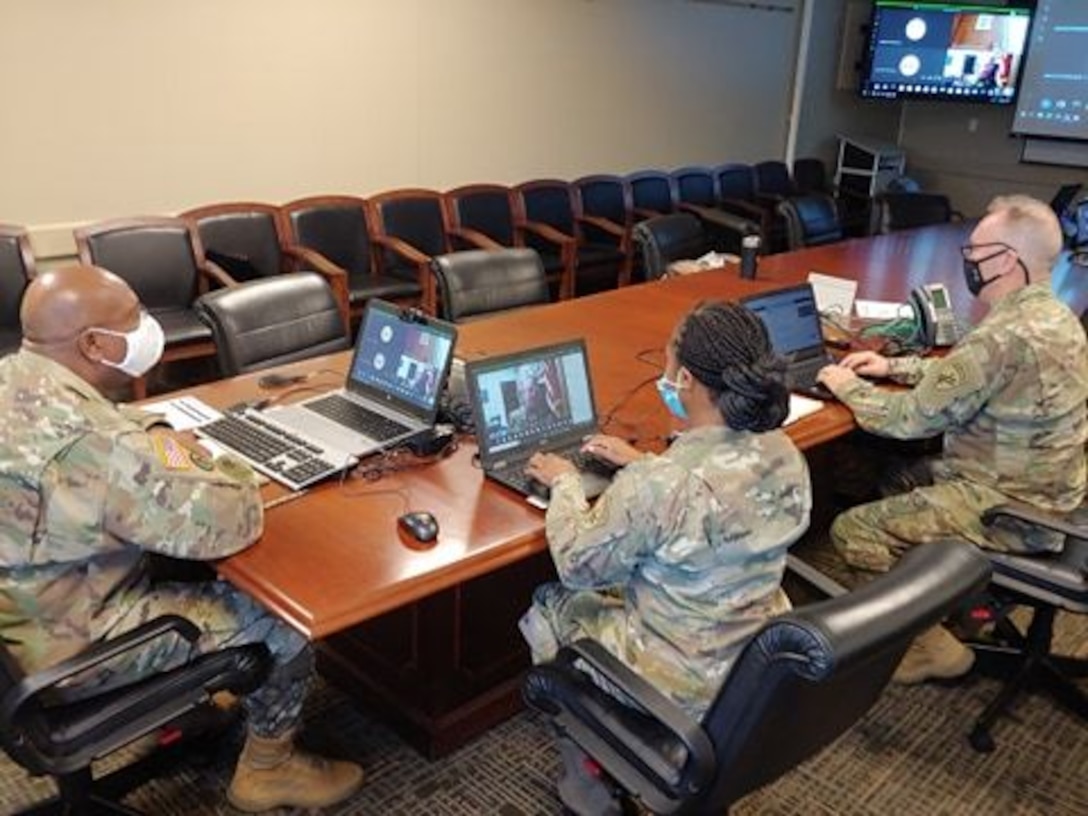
420	525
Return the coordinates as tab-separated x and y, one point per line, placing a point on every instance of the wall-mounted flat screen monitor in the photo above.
966	52
1054	93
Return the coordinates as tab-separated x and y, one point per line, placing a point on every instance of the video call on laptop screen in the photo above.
534	398
790	317
404	358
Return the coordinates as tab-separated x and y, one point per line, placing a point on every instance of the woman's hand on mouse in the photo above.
547	467
611	449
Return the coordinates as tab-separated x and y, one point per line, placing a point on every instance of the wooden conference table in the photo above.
428	636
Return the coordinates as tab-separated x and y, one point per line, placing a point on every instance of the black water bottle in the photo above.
749	251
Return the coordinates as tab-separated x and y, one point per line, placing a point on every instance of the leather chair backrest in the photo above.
416	221
272	321
773	178
652	190
549	203
811	220
338	232
16	269
900	211
250	237
696	185
808	676
480	281
667	238
604	196
736	181
488	212
810	176
154	256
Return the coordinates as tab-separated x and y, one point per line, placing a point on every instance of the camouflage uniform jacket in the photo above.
694	540
84	490
1009	398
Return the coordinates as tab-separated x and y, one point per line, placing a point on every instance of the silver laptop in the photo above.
793	324
532	401
401	361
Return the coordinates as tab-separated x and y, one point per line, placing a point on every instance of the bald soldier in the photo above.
1010	401
88	488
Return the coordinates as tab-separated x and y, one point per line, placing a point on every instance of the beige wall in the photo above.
125	107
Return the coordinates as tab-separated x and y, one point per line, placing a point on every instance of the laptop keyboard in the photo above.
286	456
357	417
514	474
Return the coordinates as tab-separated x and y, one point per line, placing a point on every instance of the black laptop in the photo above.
531	401
793	324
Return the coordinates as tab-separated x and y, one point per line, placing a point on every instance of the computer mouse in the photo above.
419	525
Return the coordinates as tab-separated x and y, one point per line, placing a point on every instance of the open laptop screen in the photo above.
791	318
401	357
529	399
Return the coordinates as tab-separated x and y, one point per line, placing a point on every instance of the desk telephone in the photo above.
933	312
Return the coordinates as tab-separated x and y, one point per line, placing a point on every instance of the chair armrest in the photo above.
548	233
643	213
726	220
1030	515
652	701
422	263
743	208
639	736
309	259
475	238
213	274
611	227
95	655
770	199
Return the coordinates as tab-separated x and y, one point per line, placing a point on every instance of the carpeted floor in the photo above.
908	757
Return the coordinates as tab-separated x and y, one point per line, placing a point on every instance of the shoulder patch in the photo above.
171	453
956	377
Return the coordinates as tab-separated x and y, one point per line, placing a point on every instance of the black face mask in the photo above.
972	269
973	275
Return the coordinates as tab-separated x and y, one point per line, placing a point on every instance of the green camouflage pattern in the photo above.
679	562
1010	400
83	495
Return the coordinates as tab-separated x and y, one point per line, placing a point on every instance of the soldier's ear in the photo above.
89	344
683	378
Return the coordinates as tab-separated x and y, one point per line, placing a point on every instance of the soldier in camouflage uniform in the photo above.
1010	401
680	561
88	488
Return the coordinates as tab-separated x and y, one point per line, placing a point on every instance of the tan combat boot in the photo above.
272	773
934	654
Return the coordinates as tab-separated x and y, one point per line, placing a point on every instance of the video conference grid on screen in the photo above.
961	51
539	398
401	357
1054	92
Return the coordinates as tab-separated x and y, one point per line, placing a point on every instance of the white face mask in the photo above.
143	346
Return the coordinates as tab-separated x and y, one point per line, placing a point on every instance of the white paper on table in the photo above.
802	407
183	413
881	309
833	295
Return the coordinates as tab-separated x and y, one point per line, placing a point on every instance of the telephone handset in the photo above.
933	312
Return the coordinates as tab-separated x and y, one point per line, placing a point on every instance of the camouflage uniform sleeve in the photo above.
952	389
595	546
167	499
908	370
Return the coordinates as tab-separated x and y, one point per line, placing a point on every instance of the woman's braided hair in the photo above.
726	348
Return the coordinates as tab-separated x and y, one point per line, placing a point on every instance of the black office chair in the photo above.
484	281
892	212
811	220
16	270
49	731
802	680
663	239
272	321
1046	582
